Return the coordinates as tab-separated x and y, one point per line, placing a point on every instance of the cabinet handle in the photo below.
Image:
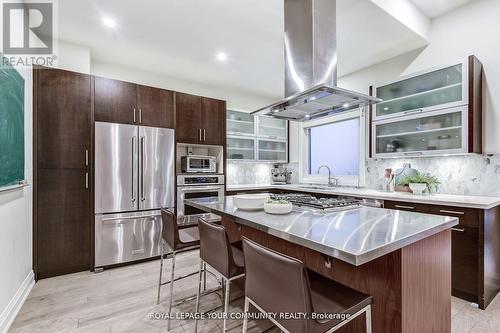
458	229
451	212
413	112
134	115
414	154
86	180
204	135
404	207
199	134
140	116
86	157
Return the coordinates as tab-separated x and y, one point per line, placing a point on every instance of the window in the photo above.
337	146
338	141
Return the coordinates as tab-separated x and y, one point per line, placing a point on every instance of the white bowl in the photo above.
250	201
418	188
274	208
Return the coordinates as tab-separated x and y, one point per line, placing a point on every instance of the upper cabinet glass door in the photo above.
438	132
241	123
272	128
433	90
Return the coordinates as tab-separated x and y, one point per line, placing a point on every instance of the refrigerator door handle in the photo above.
132	178
142	169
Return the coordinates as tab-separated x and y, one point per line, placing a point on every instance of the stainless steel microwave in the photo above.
198	163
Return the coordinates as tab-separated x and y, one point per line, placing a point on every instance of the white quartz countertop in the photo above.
479	202
355	235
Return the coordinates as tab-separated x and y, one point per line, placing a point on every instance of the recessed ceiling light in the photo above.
221	56
109	22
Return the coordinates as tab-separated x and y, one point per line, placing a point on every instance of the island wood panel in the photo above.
392	280
426	284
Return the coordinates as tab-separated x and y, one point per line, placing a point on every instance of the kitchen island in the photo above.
402	259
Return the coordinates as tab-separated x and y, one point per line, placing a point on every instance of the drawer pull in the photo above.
451	212
404	207
458	229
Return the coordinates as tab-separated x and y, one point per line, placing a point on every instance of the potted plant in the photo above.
420	182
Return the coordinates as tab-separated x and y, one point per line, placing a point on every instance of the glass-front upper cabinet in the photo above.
239	148
425	91
438	132
240	123
272	128
271	150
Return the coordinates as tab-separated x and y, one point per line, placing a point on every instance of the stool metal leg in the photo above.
245	314
161	271
204	277
171	291
202	268
226	304
368	315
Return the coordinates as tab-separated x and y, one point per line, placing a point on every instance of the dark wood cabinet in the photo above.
475	249
156	107
115	101
213	121
62	172
187	118
63	217
128	103
409	206
200	120
63	119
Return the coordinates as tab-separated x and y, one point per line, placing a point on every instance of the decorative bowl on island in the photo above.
250	201
278	207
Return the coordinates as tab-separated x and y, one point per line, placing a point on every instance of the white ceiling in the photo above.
436	8
180	38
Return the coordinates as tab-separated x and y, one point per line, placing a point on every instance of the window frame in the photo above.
305	177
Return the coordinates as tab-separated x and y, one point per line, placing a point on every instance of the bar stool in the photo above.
178	240
276	283
218	253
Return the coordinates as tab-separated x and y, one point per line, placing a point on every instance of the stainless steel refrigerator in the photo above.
134	178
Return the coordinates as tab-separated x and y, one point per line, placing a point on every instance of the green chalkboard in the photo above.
11	126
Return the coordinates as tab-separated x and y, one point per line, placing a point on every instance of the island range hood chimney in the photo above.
311	65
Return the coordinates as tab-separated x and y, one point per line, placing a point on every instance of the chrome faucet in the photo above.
332	181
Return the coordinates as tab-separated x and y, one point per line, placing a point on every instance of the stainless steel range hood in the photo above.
311	65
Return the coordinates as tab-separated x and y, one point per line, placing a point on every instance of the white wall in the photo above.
16	276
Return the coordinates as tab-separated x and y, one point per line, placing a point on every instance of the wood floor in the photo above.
123	300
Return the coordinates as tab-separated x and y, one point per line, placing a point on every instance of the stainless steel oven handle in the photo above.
194	189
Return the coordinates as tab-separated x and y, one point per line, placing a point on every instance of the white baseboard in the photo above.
10	312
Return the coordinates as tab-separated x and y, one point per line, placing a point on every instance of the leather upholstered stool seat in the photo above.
217	252
276	283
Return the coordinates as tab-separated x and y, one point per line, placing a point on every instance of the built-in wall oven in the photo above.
197	186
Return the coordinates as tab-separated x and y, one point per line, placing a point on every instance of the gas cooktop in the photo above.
307	200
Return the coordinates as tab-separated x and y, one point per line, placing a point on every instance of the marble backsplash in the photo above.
463	175
241	173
